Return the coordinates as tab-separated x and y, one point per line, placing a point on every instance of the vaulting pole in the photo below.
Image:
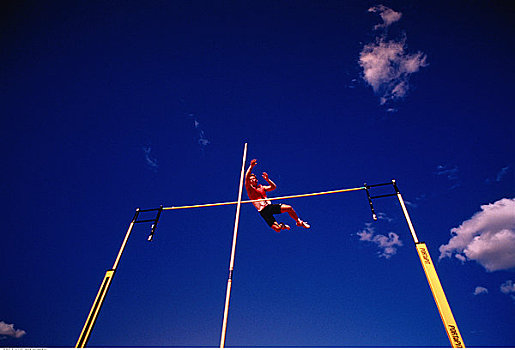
233	252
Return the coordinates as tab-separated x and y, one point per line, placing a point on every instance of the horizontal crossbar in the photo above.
377	185
270	199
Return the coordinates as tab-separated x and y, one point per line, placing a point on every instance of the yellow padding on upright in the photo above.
441	301
95	309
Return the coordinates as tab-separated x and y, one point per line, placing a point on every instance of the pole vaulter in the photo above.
434	283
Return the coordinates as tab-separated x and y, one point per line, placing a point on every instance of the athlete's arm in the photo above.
272	186
253	163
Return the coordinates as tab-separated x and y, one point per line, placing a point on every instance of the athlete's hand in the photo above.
265	176
253	163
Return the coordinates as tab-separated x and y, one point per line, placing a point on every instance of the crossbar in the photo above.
270	199
377	185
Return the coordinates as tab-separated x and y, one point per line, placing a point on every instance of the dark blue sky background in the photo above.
109	106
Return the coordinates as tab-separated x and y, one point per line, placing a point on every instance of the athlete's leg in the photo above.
288	209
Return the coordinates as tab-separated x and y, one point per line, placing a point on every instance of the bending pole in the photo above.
233	251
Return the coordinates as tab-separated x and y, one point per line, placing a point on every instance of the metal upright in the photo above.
444	309
108	278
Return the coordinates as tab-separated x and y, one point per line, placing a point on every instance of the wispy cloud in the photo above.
386	65
388	15
411	204
9	330
383	216
508	288
201	136
418	199
150	161
480	290
450	173
501	174
387	244
487	238
352	84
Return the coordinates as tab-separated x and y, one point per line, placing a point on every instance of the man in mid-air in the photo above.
265	206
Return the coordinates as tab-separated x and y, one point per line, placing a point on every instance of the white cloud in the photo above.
508	288
487	238
8	329
461	257
387	67
480	290
388	245
388	15
386	64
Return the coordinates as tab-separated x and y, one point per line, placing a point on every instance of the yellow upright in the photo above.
441	301
434	282
102	291
95	309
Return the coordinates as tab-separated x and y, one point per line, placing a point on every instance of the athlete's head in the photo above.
253	179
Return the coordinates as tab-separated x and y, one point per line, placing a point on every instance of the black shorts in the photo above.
268	213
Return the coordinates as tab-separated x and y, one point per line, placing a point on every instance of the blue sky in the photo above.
109	106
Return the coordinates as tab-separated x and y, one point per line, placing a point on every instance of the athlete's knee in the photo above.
286	208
